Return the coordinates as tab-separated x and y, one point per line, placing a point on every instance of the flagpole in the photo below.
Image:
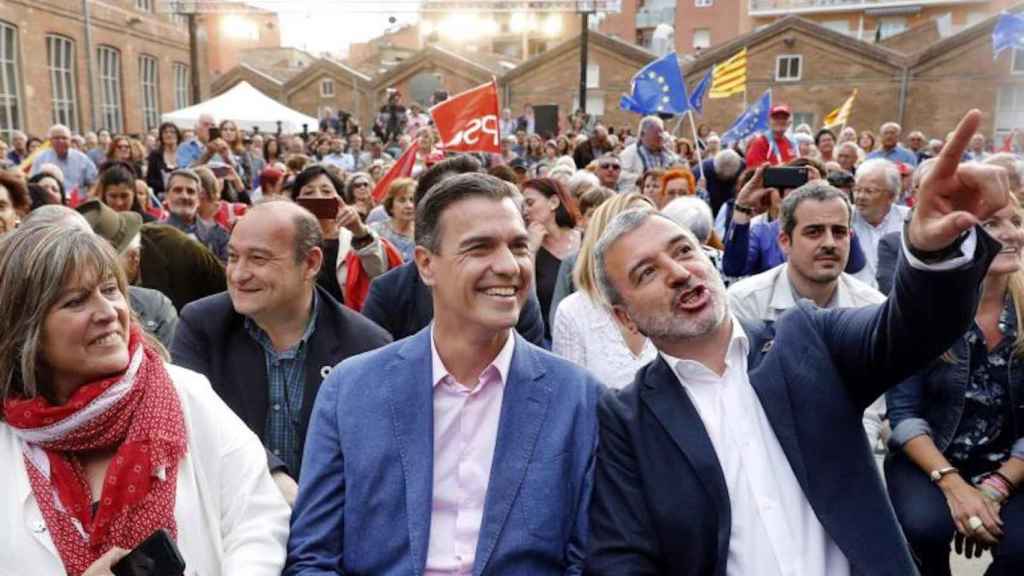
696	144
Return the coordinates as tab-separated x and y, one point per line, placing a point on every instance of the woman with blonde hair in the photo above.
585	329
104	443
957	447
399	226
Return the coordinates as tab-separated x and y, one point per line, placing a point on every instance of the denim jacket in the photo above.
932	401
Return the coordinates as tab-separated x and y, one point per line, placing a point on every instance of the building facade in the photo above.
117	67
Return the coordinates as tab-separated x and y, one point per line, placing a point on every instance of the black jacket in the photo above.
401	304
211	339
660	503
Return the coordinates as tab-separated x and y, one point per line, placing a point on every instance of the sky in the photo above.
331	25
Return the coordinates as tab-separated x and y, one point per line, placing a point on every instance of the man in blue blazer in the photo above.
740	451
464	448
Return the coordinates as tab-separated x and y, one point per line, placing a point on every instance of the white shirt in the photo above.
767	295
869	236
587	334
466	416
775	532
231	517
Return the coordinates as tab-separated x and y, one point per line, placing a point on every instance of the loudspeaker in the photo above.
545	120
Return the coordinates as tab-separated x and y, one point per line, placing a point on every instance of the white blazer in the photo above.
231	517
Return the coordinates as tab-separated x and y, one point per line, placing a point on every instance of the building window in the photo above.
701	38
788	68
60	60
144	5
149	79
593	76
10	108
327	88
595	104
891	26
1009	108
182	91
841	26
703	3
110	89
1017	65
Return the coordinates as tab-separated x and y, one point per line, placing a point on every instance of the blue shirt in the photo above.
897	154
79	171
210	235
189	151
285	383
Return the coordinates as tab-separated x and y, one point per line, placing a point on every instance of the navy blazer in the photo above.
660	503
211	339
402	304
365	495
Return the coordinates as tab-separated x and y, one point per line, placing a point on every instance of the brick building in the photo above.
139	65
230	33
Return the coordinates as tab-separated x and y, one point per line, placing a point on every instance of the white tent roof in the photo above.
248	108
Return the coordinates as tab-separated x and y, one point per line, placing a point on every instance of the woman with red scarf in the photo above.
102	442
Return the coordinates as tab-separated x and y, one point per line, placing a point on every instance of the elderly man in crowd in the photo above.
891	149
473	451
918	145
774	147
847	156
267	344
19	147
976	149
193	149
647	153
609	168
741	449
877	188
720	174
593	148
79	171
184	188
815	237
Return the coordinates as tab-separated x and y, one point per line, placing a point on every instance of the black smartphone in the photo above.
220	171
322	208
156	556
785	177
214	133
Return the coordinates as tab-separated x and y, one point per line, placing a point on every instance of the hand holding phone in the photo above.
156	556
322	208
785	177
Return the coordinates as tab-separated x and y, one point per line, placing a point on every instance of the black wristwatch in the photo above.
941	255
743	209
360	242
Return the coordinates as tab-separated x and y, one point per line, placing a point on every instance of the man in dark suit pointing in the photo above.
739	450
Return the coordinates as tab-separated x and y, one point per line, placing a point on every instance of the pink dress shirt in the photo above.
466	419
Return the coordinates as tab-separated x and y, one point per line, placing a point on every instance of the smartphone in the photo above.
156	556
214	133
785	177
322	208
220	171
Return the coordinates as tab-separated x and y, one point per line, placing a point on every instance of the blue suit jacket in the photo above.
366	488
660	503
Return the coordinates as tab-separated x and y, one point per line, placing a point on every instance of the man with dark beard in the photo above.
740	450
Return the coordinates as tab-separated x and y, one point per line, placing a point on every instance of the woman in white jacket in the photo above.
104	443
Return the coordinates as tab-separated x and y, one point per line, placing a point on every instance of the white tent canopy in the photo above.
248	108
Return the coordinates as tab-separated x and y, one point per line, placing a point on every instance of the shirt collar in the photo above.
736	354
502	362
263	338
784	294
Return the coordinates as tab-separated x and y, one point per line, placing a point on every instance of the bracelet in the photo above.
743	209
992	494
1009	484
999	483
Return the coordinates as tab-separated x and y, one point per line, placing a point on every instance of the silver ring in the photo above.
974	522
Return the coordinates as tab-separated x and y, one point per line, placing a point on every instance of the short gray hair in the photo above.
1014	168
891	125
647	122
56	215
888	169
727	163
691	213
186	173
818	190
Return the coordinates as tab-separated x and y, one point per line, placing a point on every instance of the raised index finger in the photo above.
953	151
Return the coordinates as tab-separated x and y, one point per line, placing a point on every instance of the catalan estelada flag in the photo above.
730	76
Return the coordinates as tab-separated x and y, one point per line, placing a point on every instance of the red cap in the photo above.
780	110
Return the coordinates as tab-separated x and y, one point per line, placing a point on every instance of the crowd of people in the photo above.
603	351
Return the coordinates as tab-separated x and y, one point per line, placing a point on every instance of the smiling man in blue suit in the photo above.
463	449
740	451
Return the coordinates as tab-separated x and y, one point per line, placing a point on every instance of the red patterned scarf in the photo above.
136	412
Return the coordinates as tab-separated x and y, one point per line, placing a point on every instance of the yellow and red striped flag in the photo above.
730	76
840	116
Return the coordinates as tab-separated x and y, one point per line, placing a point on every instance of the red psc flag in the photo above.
468	122
401	169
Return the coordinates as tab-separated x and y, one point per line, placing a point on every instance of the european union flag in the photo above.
658	88
1008	33
754	120
698	94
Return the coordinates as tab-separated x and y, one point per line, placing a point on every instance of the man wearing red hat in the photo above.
773	148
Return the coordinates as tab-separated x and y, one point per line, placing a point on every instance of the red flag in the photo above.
468	122
401	169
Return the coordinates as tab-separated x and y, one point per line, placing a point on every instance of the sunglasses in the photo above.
610	166
360	184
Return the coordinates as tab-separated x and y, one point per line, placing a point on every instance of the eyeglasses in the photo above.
360	184
607	166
